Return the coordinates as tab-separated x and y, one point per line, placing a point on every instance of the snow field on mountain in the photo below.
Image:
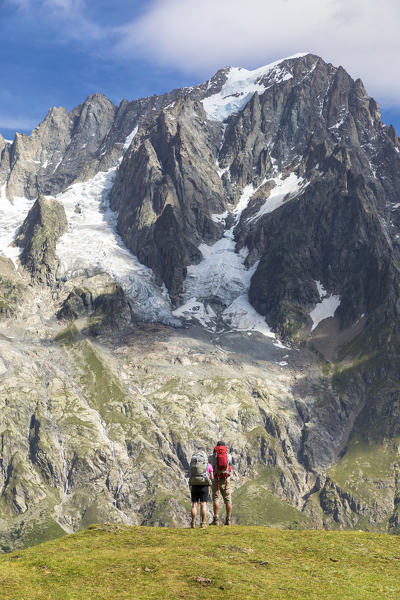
222	276
129	138
241	316
324	309
221	273
240	86
284	188
92	245
12	216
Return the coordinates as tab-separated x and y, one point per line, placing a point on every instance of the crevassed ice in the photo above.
92	245
240	86
222	275
12	216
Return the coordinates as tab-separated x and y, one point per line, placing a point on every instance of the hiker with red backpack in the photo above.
221	461
200	478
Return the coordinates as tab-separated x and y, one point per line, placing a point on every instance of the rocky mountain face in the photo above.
38	236
218	262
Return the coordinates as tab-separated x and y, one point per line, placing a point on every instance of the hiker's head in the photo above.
220	443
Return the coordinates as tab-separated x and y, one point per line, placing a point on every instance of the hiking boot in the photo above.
215	521
228	521
193	523
203	525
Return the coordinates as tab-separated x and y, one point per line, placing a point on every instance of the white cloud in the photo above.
68	17
17	123
200	37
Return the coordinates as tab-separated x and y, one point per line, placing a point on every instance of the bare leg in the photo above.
228	507
216	505
216	509
203	513
194	513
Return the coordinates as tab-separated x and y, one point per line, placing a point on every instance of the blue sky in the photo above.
43	64
57	52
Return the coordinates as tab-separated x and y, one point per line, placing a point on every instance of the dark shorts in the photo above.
199	493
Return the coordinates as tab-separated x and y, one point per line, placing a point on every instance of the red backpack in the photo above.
222	468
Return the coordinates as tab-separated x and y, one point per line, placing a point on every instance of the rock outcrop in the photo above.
38	236
11	288
166	190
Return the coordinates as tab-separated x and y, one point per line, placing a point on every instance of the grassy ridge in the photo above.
112	563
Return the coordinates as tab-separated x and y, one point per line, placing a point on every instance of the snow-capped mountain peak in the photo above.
241	84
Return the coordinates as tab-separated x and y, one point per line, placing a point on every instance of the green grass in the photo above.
43	532
368	472
67	336
258	506
113	563
103	389
365	462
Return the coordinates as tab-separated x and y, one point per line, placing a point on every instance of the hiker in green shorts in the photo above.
221	461
200	478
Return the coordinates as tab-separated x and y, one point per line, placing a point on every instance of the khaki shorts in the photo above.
222	486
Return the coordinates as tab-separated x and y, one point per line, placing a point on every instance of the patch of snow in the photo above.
129	138
244	252
44	165
219	218
221	172
198	311
240	86
283	190
12	216
324	309
395	206
337	125
57	165
92	245
248	192
241	316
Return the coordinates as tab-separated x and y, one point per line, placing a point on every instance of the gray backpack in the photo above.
198	469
